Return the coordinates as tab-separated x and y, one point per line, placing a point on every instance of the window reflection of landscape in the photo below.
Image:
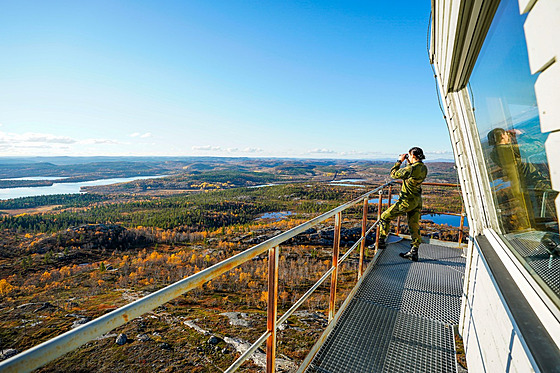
513	148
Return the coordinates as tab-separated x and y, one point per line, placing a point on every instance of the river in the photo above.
62	188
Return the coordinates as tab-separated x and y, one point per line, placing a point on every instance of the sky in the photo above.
305	79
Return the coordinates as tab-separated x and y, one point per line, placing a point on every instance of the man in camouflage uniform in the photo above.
410	199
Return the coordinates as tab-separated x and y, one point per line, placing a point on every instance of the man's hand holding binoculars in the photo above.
402	157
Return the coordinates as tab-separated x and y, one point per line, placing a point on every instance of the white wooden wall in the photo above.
491	340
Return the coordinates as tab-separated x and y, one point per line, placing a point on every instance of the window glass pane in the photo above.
507	119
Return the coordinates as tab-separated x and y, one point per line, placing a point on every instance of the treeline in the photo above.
195	180
230	177
152	214
66	200
90	170
199	211
325	193
442	199
235	177
16	183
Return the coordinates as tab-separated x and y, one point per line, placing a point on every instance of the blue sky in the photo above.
324	79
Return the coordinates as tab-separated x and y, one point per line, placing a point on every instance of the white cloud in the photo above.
439	152
4	139
29	146
45	143
141	135
358	153
225	150
99	141
48	138
252	150
206	147
321	151
31	137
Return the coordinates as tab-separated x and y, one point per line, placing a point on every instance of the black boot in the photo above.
412	254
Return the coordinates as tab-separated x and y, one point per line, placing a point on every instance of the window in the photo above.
508	124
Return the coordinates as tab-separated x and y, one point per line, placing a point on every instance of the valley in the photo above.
66	259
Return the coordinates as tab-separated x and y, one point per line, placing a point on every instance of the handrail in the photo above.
47	351
58	346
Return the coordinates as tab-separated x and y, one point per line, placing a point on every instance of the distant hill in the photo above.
63	160
199	173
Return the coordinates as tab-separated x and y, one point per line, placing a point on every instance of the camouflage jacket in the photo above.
412	175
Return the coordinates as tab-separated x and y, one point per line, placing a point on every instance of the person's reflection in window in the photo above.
526	183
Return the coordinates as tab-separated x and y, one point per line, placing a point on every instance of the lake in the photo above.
452	220
349	185
348	181
262	185
275	216
374	201
62	188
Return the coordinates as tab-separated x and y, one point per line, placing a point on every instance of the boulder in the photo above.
213	340
237	318
121	339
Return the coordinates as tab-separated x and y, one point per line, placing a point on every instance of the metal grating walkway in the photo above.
401	318
530	247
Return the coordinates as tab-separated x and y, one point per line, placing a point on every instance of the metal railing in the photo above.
58	346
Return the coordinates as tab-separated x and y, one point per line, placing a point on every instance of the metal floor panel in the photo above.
430	287
360	341
420	345
401	318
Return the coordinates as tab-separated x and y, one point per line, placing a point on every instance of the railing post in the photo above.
462	223
379	207
334	276
273	255
363	244
398	225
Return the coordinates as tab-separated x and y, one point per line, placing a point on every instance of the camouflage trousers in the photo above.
412	207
